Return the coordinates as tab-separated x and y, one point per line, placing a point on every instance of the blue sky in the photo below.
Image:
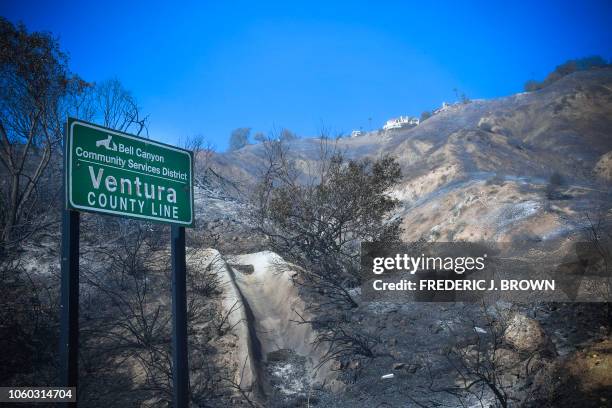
207	67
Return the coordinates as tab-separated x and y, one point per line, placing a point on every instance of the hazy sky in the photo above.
209	67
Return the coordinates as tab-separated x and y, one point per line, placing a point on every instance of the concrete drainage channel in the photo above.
276	355
260	384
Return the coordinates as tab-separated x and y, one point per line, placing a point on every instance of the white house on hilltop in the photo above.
401	122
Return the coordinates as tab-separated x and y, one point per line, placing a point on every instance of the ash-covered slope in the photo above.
568	120
481	170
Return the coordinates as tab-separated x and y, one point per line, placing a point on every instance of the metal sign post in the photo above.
180	369
111	172
69	308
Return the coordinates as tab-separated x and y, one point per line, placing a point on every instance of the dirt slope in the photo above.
480	170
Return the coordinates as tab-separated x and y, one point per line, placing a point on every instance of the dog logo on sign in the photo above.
107	143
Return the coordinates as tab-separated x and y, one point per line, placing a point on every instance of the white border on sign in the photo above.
95	209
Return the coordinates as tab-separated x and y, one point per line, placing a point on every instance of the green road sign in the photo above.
116	173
